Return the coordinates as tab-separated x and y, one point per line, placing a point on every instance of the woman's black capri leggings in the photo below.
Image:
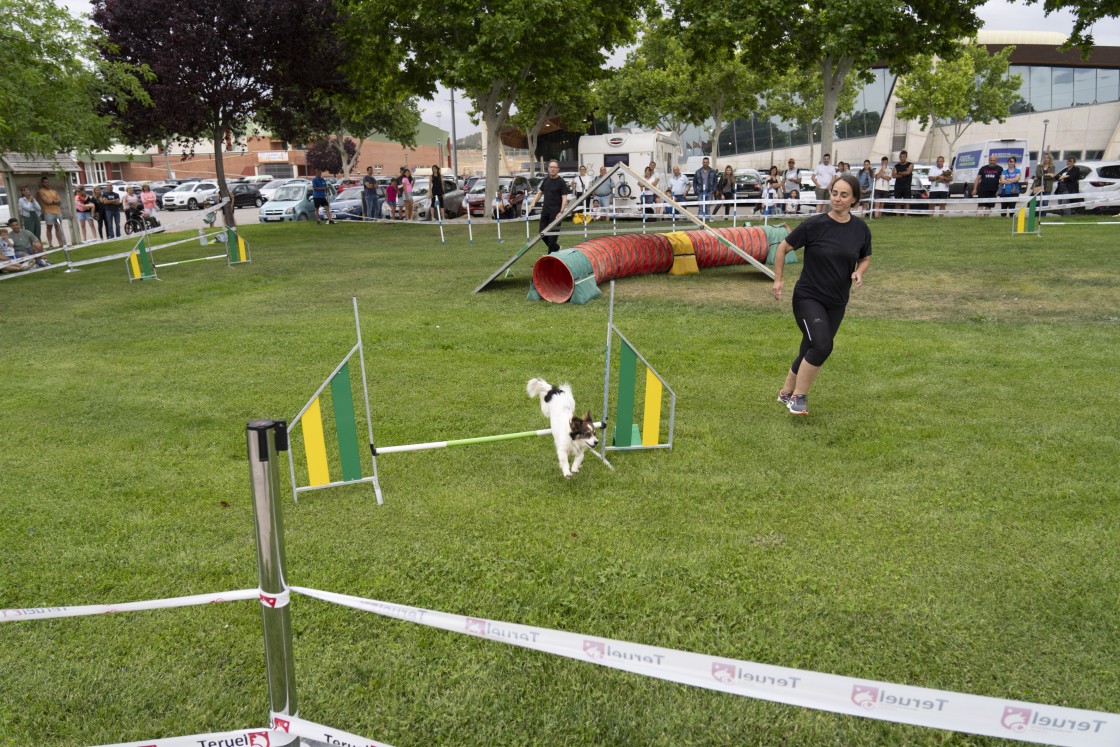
819	324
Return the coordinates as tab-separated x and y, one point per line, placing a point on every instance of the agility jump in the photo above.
141	263
332	456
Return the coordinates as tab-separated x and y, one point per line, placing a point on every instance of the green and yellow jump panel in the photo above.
237	248
1026	220
638	389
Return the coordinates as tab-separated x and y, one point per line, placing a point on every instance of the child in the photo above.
499	208
769	195
391	198
794	204
7	254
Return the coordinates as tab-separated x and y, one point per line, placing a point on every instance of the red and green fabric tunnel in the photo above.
555	276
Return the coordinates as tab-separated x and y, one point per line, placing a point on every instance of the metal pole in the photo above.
454	145
365	395
607	374
264	438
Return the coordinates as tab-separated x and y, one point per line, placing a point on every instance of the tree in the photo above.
837	36
952	94
490	54
325	156
1087	13
536	107
53	82
797	96
218	65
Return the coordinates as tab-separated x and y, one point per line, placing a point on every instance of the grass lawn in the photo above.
945	517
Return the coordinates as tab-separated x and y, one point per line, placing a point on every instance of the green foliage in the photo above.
945	517
1086	14
53	82
971	86
832	38
797	96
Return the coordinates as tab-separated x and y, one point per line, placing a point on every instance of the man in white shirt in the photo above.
791	181
678	185
581	184
823	177
939	178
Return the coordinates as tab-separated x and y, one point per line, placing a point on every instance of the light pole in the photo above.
1045	125
454	145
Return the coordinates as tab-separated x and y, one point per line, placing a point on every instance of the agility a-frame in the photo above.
655	428
574	205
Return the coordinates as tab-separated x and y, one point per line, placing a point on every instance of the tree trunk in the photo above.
220	172
834	74
493	154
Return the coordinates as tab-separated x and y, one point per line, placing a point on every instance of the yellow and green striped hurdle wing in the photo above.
329	429
649	390
1026	219
237	248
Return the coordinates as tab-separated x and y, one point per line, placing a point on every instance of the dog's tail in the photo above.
537	387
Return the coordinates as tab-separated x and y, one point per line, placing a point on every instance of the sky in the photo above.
997	15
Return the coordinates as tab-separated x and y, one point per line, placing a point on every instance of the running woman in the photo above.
837	252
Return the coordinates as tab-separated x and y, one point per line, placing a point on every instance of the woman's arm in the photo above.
857	276
779	265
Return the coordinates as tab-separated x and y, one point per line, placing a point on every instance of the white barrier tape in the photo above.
239	738
885	701
274	601
46	613
310	730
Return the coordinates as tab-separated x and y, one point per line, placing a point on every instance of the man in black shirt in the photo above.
987	183
903	182
555	192
1068	181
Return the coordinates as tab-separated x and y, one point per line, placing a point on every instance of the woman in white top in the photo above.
882	185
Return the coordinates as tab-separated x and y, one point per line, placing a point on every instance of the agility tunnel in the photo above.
572	274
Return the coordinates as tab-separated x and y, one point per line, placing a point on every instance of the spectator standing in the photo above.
656	178
371	208
405	187
903	181
437	193
52	212
704	183
83	207
939	178
319	188
793	202
554	192
823	176
1009	186
581	184
30	211
149	201
837	252
602	194
726	189
791	181
987	184
882	185
111	204
1068	181
678	187
1043	182
97	211
131	204
391	197
866	177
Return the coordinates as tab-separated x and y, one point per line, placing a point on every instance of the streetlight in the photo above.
1045	124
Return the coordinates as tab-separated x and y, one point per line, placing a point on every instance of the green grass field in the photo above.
945	517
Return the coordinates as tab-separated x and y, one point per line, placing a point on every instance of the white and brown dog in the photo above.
573	435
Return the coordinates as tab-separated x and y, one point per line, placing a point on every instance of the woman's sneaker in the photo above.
797	404
783	397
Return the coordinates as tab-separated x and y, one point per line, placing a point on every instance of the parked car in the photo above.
476	197
291	202
748	184
348	206
190	196
270	189
1100	180
243	195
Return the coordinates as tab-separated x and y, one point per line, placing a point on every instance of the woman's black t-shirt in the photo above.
832	251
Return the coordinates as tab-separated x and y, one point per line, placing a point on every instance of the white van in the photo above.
969	158
635	149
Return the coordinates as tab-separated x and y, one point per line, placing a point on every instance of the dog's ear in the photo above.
587	417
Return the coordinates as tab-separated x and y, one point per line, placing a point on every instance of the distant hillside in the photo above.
470	141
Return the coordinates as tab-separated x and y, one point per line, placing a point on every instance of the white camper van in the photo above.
969	158
635	149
